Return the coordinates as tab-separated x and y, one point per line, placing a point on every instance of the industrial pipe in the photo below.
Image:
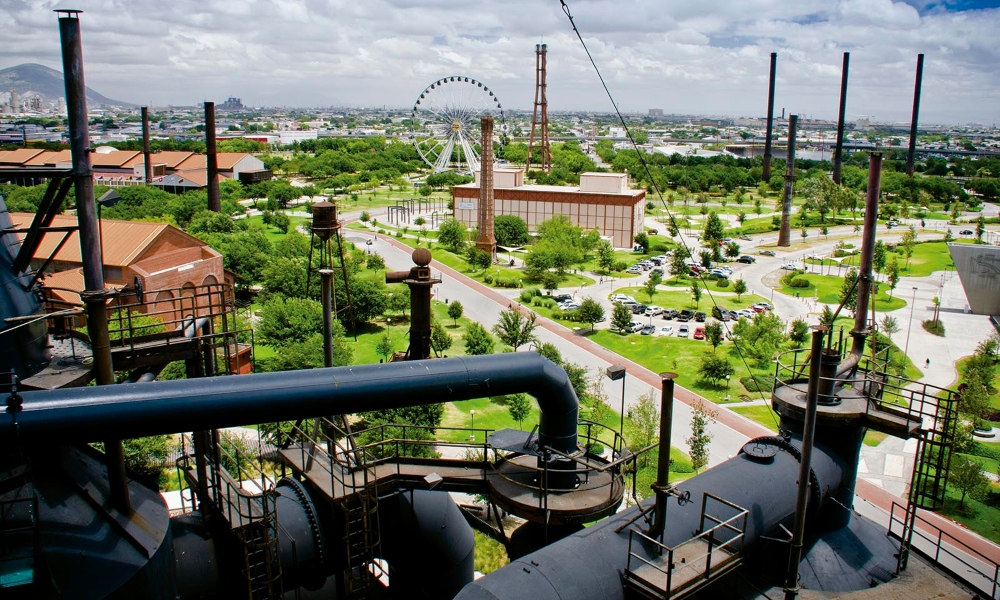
912	150
865	266
662	485
785	233
838	153
770	118
212	160
162	407
146	157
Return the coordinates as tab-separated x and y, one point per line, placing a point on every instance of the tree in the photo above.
714	228
590	311
849	290
701	418
713	334
799	332
515	329
826	317
732	250
308	354
893	275
281	193
908	243
740	287
695	292
285	277
678	266
605	255
967	475
889	326
715	368
643	425
980	229
478	340
284	321
384	346
440	338
375	262
452	235
510	230
879	257
760	338
621	318
519	407
650	286
642	239
455	311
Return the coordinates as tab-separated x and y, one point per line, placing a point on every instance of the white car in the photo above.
652	311
683	331
667	330
622	298
789	267
636	326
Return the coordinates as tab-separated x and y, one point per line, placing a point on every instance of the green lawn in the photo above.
763	415
272	233
995	398
827	288
927	258
979	517
682	299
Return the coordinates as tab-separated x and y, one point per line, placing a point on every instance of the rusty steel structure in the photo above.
146	159
917	83
785	233
770	117
326	226
486	241
838	153
420	280
212	160
540	117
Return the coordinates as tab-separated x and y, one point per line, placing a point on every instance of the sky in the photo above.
706	57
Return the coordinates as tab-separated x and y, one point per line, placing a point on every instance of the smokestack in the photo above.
211	160
94	294
486	240
662	486
916	112
145	145
770	117
838	156
785	233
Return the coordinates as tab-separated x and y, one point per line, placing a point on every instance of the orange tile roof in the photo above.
67	285
228	160
195	161
118	158
18	157
171	158
50	158
124	241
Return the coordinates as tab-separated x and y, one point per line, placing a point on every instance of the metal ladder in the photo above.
261	561
362	540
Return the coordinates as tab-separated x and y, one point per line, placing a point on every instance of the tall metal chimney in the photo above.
785	233
211	160
94	295
770	118
838	154
486	240
916	111
145	145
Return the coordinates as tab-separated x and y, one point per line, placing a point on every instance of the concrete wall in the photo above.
978	268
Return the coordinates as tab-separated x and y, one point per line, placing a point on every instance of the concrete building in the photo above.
602	200
978	267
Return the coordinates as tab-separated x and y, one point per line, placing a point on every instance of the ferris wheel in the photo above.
445	124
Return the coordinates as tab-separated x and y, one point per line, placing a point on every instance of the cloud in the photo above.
688	57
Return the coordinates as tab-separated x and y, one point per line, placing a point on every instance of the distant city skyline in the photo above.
707	58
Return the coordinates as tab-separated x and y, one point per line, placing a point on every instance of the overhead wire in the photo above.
659	194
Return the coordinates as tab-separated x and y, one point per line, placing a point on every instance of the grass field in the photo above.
927	258
827	289
272	232
763	415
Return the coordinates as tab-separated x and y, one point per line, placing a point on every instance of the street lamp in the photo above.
472	436
616	372
109	199
913	303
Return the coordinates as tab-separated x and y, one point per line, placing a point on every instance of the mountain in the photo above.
47	83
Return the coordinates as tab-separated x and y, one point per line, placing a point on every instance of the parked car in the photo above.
746	313
569	306
670	313
699	333
636	326
766	253
638	309
745	259
652	311
562	297
622	298
683	331
656	260
762	305
700	317
686	315
657	270
720	313
648	330
789	266
634	269
667	330
720	273
966	232
746	237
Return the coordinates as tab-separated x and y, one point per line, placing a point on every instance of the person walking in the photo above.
927	363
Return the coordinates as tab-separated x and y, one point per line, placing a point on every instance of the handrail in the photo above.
938	541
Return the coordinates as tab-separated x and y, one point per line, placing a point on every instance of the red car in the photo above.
699	333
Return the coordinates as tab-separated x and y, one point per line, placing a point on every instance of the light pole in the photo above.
616	372
472	414
109	199
909	326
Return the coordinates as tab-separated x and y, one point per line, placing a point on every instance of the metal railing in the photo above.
946	551
700	563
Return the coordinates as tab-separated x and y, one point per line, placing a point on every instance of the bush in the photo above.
399	234
526	295
799	282
662	248
757	383
722	283
935	327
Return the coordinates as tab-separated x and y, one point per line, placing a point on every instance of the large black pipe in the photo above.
94	294
162	407
785	233
661	487
916	112
212	160
146	154
838	153
770	118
